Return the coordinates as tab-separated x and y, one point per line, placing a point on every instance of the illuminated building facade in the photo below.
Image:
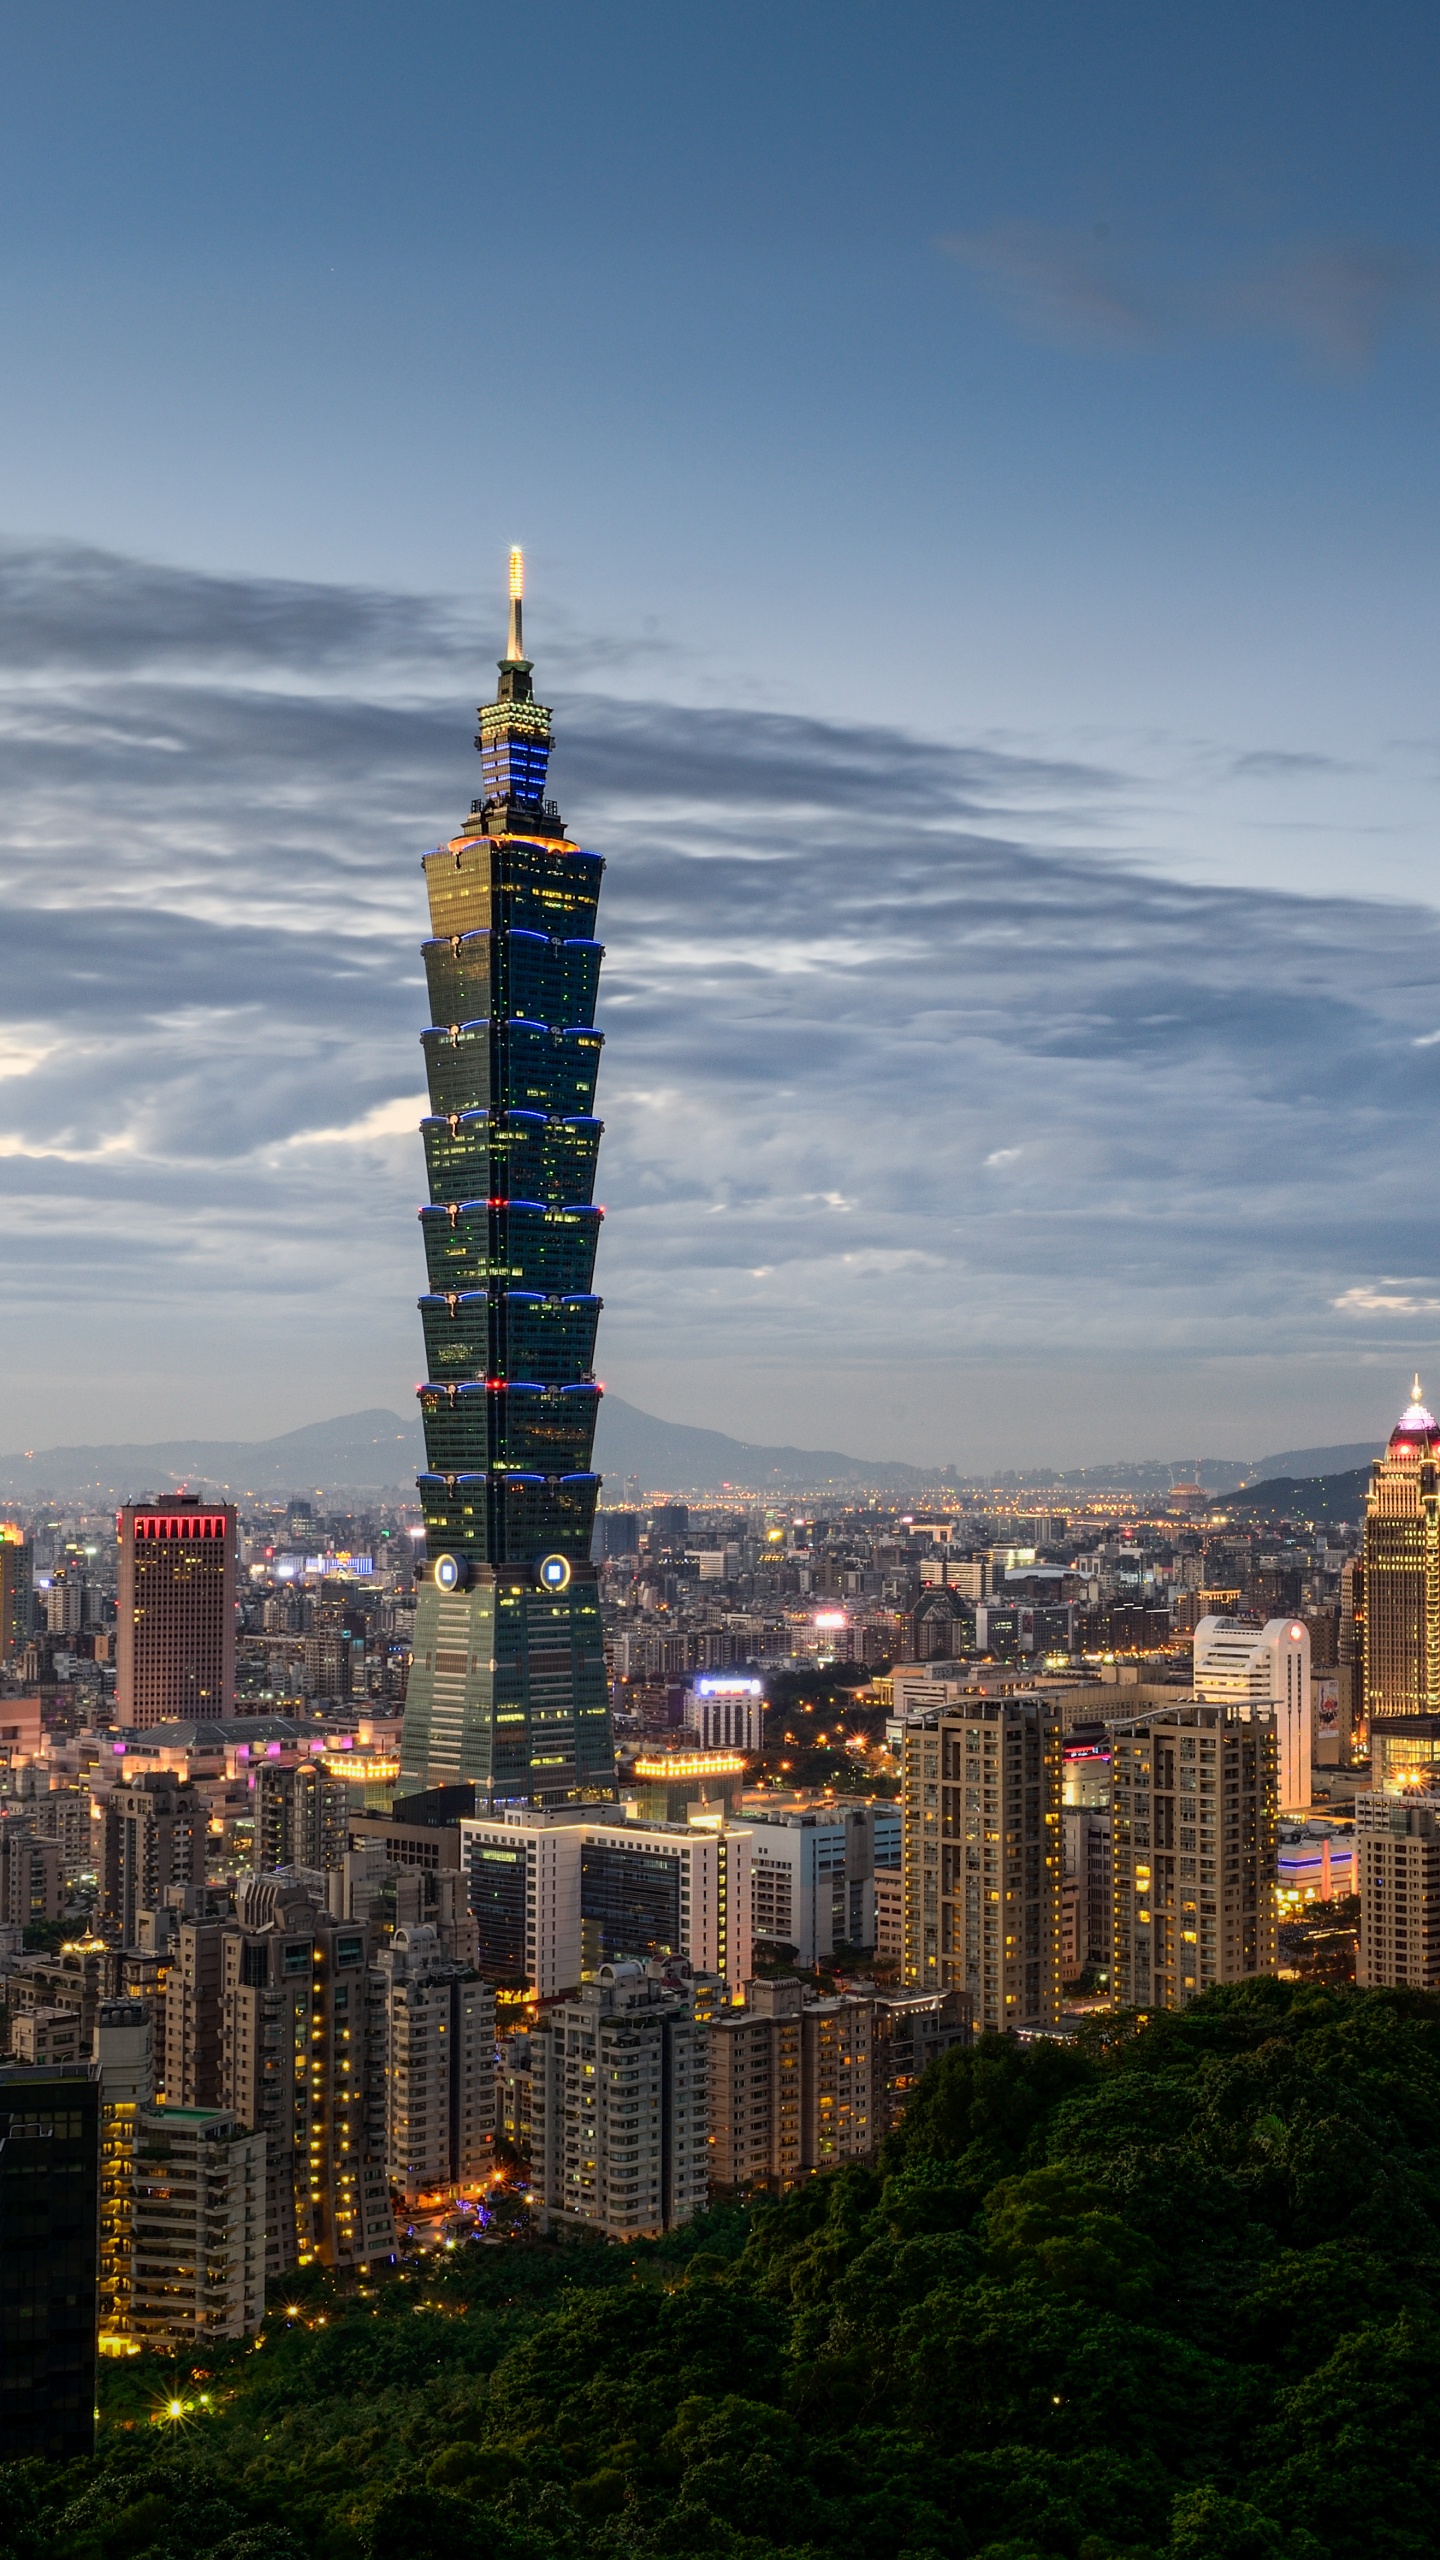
17	1591
1398	1841
175	1632
1402	1571
198	2228
507	1681
620	2134
438	2084
982	1866
1193	1828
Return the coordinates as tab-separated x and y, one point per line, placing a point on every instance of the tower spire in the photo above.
515	646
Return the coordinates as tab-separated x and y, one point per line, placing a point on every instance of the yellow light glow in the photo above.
517	575
693	1764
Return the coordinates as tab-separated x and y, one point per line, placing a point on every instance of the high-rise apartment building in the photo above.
154	1833
982	1800
17	1591
198	2228
1397	1838
1402	1571
123	2052
175	1630
620	2137
191	2058
1243	1666
436	2085
301	1818
300	2060
49	2259
507	1681
799	2084
32	1873
1194	1852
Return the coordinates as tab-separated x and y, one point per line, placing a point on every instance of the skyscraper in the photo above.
175	1632
507	1680
1402	1571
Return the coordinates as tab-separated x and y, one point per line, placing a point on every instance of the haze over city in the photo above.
976	474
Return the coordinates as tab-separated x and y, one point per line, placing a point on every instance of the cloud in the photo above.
1338	299
839	958
1391	1298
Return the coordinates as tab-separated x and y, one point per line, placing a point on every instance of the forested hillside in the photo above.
1174	2300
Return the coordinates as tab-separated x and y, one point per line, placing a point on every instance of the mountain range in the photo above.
374	1449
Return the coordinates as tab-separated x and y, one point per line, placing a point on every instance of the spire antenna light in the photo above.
515	647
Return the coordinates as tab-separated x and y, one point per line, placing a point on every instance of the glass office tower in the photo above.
507	1682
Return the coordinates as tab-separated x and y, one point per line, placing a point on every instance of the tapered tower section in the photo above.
507	1682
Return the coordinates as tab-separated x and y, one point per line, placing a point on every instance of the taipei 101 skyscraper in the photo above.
507	1681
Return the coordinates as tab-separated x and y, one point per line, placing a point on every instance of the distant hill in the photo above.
362	1449
1317	1462
1322	1498
682	1459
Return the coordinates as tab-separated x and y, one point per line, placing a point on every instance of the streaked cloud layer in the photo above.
916	1070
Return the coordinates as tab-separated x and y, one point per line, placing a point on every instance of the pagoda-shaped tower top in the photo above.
514	739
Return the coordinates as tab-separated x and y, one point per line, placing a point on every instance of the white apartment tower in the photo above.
1268	1668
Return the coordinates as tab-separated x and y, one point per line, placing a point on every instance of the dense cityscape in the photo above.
803	1901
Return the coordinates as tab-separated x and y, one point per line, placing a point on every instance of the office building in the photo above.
667	1889
154	1834
1350	1657
725	1711
982	1798
198	2229
437	2081
555	1895
1402	1571
507	1680
1267	1667
49	2259
123	2052
1194	1852
175	1628
1397	1839
17	1591
620	2138
685	1786
301	1817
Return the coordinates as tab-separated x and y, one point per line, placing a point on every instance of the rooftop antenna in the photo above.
515	647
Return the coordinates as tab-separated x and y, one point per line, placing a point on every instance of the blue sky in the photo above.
977	467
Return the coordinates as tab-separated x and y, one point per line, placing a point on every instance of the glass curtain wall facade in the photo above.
507	1682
